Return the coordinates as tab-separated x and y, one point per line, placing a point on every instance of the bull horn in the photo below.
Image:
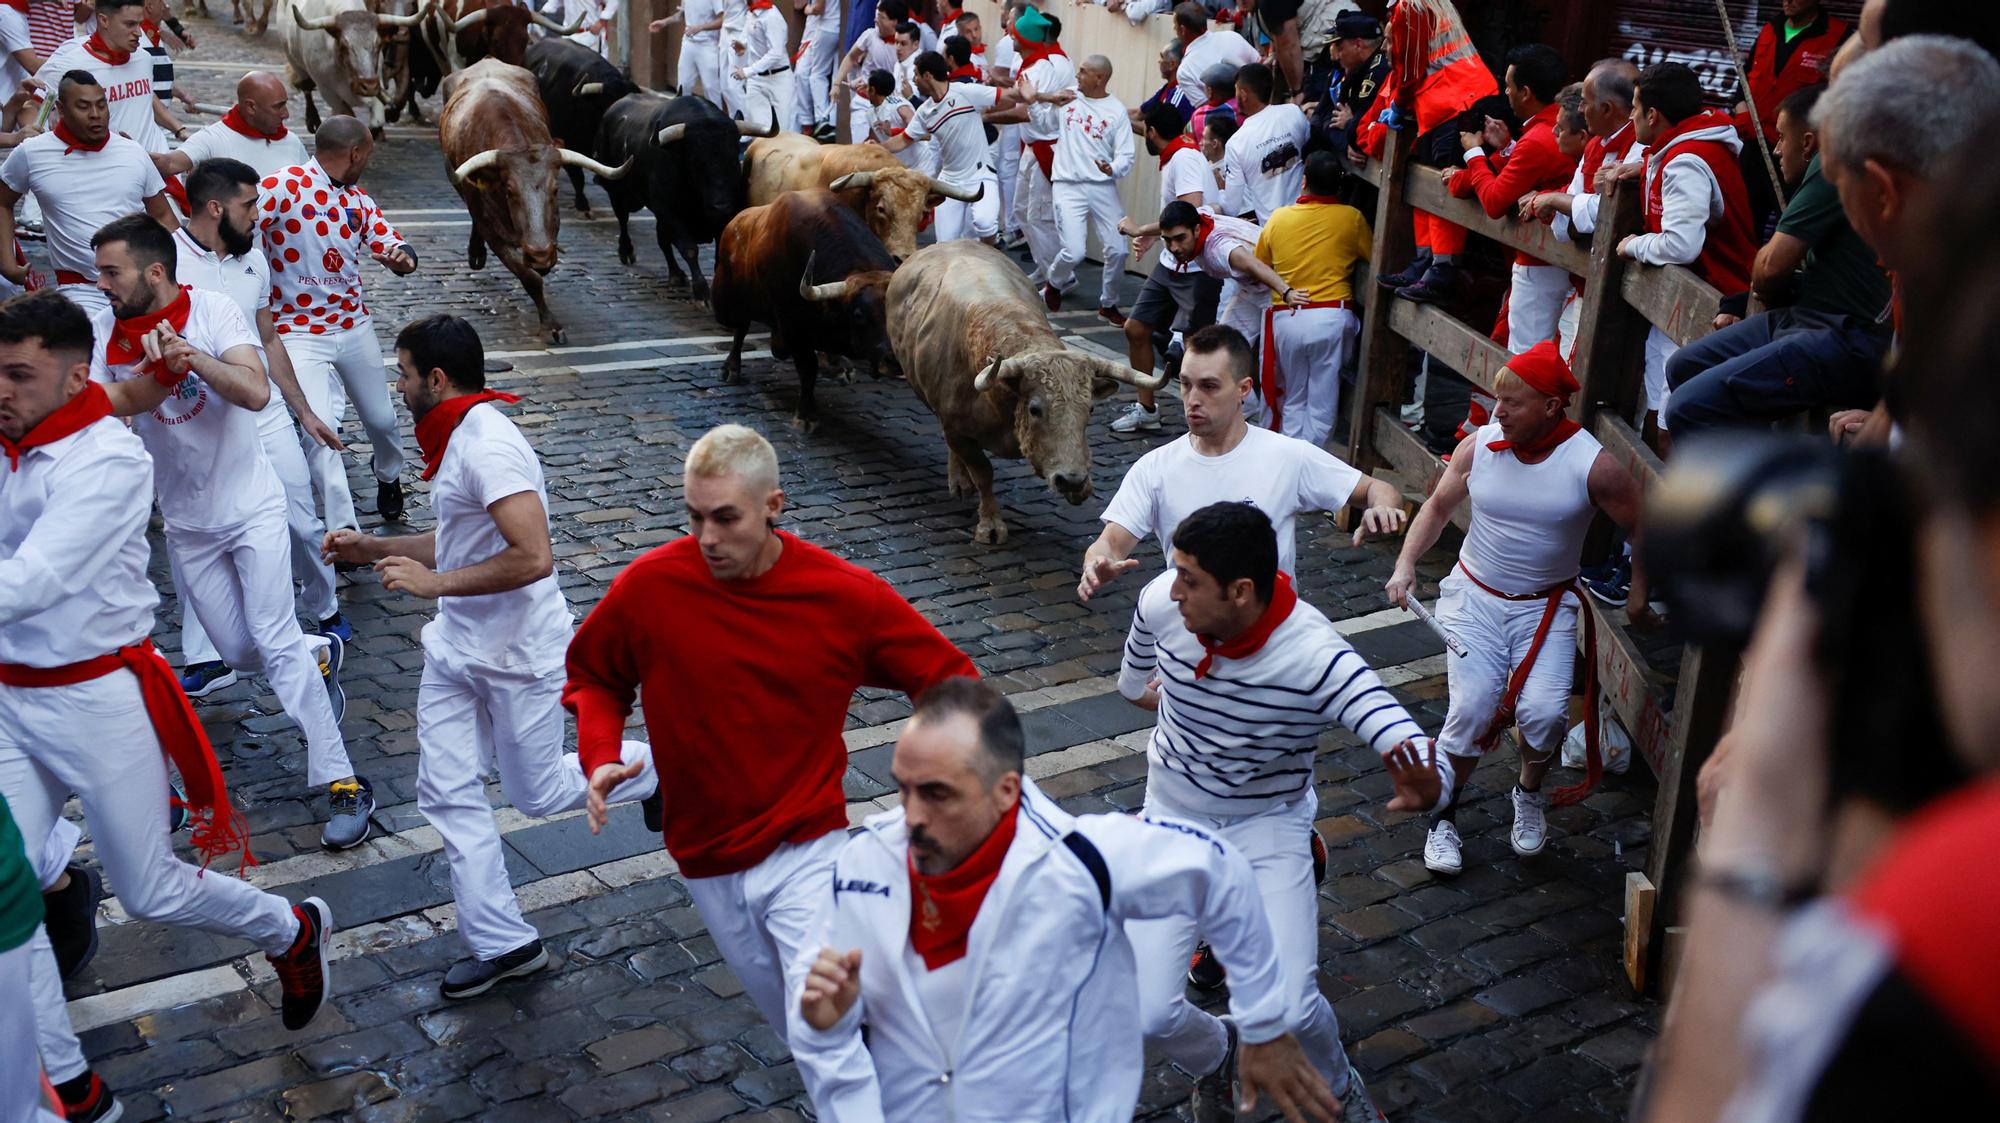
832	290
559	28
1113	369
940	187
324	23
417	16
476	164
748	129
984	381
467	20
604	171
670	134
587	89
860	181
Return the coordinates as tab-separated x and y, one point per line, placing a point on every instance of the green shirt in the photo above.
1842	275
20	893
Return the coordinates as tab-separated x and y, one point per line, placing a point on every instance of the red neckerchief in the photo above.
71	144
1283	600
966	71
435	430
234	120
127	344
943	907
1309	197
1564	430
1202	230
102	51
979	48
760	5
1032	53
1175	145
87	408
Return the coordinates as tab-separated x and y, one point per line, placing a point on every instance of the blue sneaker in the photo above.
199	680
337	625
330	659
1614	589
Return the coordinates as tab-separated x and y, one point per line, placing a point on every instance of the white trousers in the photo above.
1035	213
1083	208
701	70
770	99
1659	348
814	101
733	91
955	219
1278	845
355	357
860	119
766	920
239	583
1496	634
1312	347
1568	322
21	1099
86	297
471	716
1535	304
1007	161
96	740
1242	307
302	522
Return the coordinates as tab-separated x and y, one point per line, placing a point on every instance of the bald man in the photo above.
253	132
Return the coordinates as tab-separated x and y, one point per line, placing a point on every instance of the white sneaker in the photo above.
1136	419
1531	828
1441	854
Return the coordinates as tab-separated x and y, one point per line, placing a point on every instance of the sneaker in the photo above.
653	810
1531	827
337	625
1614	588
349	806
1441	852
1136	419
70	915
302	969
1441	282
1204	970
1410	275
85	1098
1111	316
199	680
1355	1106
469	977
1319	857
331	658
1214	1098
177	807
389	500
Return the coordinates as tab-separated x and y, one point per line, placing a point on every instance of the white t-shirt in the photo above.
700	11
127	86
80	191
245	279
1093	129
1528	520
1052	74
1280	475
887	120
13	37
954	123
487	460
208	460
945	994
875	55
1003	55
1263	165
1217	44
1228	234
1186	173
265	157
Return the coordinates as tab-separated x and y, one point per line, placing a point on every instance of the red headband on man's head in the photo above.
1542	368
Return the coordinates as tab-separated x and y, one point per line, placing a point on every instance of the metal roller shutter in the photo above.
1690	32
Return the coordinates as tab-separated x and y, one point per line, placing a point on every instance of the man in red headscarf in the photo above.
1536	480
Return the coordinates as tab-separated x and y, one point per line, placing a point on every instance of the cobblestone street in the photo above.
1495	995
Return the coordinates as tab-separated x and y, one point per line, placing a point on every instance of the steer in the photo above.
495	137
688	174
335	47
974	341
577	86
493	29
811	269
893	198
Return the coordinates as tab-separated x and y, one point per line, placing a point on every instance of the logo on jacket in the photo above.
333	261
853	885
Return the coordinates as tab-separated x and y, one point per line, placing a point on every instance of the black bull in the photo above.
577	85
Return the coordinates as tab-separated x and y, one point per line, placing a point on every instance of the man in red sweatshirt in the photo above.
1535	76
745	644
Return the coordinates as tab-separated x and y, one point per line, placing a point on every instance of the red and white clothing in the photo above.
128	85
1185	171
1497	181
1621	147
80	189
1263	165
1216	45
701	62
1525	537
875	55
316	233
1047	71
886	119
1004	58
231	139
965	161
1244	298
767	68
1086	198
51	23
225	526
819	47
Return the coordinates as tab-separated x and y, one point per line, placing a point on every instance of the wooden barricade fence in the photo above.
1674	723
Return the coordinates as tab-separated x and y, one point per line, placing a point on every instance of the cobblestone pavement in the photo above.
1497	995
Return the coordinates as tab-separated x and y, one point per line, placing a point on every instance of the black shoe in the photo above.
1319	857
469	977
85	1099
653	809
70	915
1410	275
389	500
1441	282
302	969
1204	970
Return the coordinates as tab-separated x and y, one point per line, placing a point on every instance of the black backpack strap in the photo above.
1094	862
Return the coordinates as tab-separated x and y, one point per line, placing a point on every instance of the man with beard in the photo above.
253	131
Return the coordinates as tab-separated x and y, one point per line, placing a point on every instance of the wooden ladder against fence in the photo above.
1620	300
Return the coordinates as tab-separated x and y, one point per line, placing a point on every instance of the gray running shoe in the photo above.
469	977
347	825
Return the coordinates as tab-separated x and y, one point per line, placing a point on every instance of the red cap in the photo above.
1543	369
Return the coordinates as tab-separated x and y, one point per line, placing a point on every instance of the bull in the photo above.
892	198
807	266
974	341
504	164
254	15
403	58
688	174
335	47
577	86
478	29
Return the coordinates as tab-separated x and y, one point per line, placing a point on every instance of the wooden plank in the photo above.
1449	340
1639	898
1701	705
1609	355
1673	299
1416	467
1537	239
1624	444
1632	689
1384	354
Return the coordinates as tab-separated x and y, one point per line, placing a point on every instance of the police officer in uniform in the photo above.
1358	56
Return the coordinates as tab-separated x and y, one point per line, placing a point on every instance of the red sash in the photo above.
435	430
1271	377
1045	155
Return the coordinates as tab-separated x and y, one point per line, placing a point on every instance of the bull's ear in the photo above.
1102	388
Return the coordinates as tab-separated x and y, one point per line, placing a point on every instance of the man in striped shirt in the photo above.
1245	677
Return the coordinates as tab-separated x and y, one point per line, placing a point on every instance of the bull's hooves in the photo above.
558	335
375	132
732	374
698	296
993	535
627	258
805	424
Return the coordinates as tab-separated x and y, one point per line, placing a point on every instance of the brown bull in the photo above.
495	136
974	341
867	177
477	29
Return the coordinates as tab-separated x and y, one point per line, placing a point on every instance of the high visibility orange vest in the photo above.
1434	69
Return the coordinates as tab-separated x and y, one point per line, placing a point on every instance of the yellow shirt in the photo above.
1314	246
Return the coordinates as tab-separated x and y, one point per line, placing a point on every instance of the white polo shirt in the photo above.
209	462
246	280
80	191
128	86
953	121
264	156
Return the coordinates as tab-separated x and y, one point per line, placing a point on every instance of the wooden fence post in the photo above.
1609	356
1384	354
